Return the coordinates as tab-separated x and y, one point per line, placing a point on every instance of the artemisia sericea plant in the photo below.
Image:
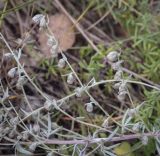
36	128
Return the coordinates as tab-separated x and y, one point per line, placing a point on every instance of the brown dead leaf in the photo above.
63	31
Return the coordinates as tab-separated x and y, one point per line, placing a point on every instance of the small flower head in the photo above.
37	18
136	127
25	135
117	85
12	134
36	128
35	115
33	146
12	72
117	65
50	154
8	57
105	123
51	41
121	96
14	121
113	56
144	140
70	78
118	75
79	91
123	87
55	104
89	107
19	137
41	20
61	63
21	81
132	112
54	51
48	105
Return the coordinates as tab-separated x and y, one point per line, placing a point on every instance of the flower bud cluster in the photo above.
113	57
122	87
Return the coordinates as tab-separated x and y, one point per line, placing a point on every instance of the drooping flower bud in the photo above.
144	140
51	41
118	75
136	127
105	123
78	91
21	81
19	137
37	18
40	19
50	154
48	105
12	134
117	85
61	63
54	51
113	56
25	135
121	96
70	78
89	107
12	72
132	112
36	128
117	65
7	56
33	146
14	121
123	87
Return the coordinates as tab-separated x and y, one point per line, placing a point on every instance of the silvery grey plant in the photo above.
38	134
